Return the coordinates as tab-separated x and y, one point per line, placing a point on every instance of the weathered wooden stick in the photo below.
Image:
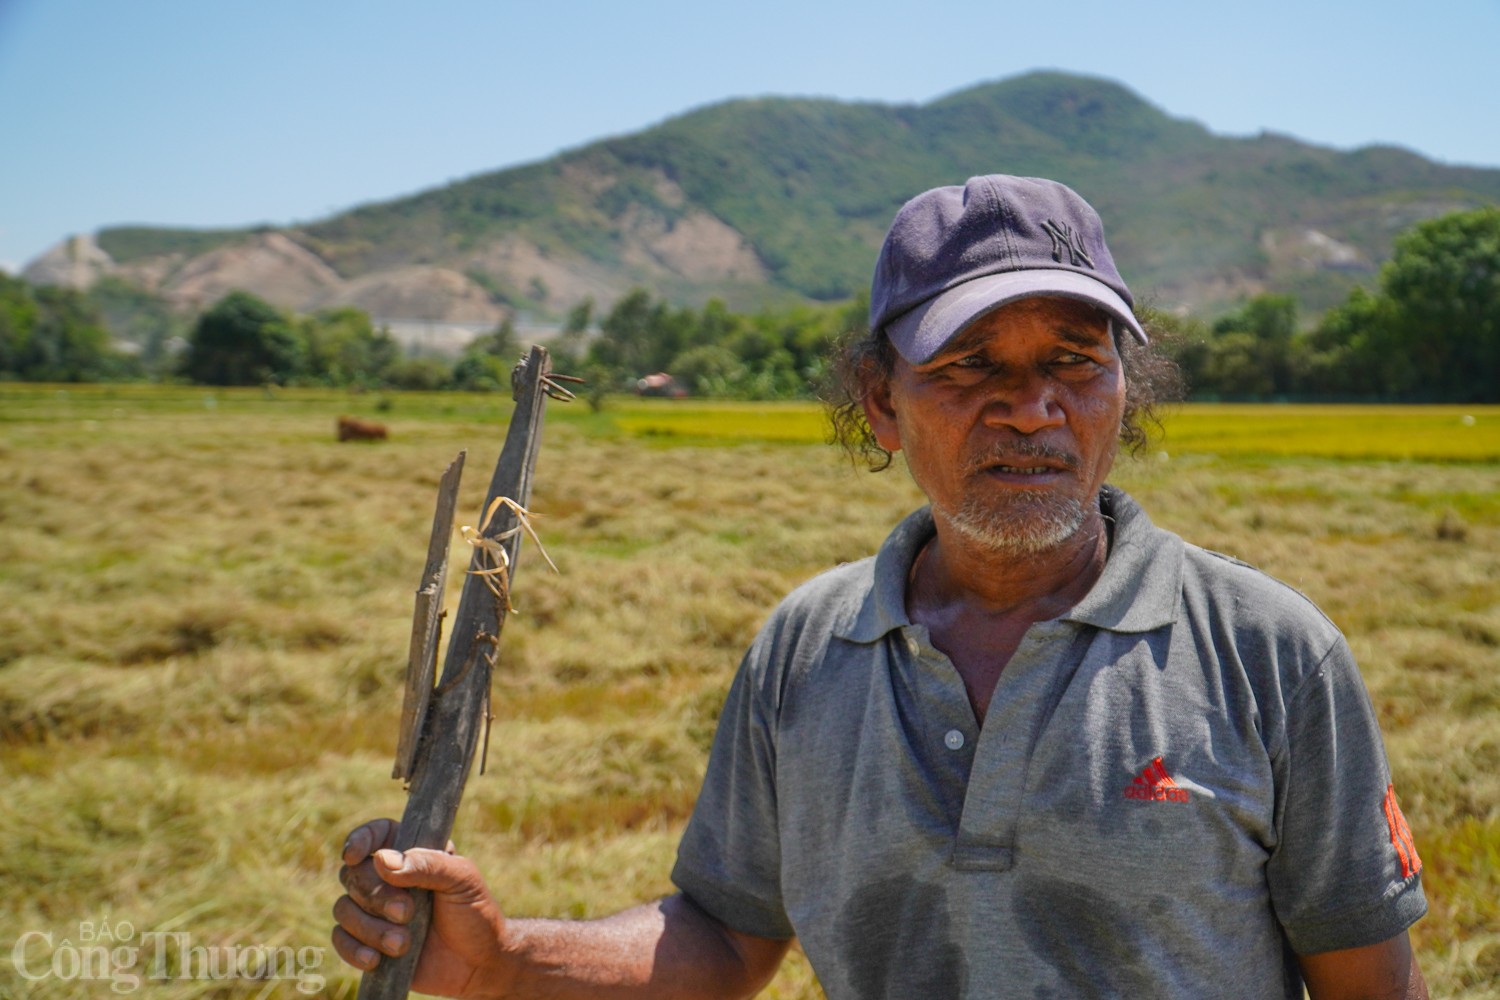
421	656
458	707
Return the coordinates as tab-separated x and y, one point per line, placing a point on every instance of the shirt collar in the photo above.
882	608
1137	592
1141	584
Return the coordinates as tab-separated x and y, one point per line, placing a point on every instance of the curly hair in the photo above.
864	359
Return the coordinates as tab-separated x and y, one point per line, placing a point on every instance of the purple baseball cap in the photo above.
954	254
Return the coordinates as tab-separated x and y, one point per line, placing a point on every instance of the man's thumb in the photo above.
420	868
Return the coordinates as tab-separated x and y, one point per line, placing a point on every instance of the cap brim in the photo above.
922	332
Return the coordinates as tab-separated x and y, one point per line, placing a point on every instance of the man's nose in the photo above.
1025	402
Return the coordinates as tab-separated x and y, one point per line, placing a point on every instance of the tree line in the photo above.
61	335
1428	332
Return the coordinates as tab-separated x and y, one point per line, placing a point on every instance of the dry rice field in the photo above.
205	601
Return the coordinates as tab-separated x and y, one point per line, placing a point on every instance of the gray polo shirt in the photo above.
1178	785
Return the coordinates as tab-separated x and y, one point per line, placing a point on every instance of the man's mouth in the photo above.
1028	470
1025	459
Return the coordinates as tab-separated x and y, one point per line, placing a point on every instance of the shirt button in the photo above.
954	740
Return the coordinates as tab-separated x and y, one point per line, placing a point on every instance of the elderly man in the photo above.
1035	747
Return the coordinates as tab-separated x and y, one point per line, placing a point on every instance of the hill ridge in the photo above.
770	199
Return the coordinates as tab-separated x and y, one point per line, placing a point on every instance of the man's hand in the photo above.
669	948
462	956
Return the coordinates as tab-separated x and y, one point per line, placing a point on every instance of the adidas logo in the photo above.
1154	784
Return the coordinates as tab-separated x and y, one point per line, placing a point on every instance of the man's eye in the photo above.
1073	358
972	361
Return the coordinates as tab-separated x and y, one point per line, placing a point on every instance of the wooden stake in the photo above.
446	733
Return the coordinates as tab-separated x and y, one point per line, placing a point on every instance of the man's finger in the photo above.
367	839
361	956
374	894
386	937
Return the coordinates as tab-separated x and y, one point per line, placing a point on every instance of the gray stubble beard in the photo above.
1025	523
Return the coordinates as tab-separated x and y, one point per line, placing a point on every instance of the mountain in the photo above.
775	200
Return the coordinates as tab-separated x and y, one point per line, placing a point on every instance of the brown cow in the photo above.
354	429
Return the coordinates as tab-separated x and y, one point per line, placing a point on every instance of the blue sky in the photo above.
210	113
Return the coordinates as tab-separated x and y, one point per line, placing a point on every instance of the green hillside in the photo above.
809	185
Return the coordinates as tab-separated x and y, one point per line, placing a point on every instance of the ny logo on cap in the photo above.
1065	235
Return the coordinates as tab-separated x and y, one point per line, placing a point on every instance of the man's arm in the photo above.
1384	971
669	948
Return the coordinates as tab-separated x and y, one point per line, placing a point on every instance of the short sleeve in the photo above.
729	860
1345	871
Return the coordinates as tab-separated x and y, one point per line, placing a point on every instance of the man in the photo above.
1035	747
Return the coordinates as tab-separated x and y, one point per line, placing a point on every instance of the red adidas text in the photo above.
1154	784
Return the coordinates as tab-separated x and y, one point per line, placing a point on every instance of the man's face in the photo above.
1012	428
